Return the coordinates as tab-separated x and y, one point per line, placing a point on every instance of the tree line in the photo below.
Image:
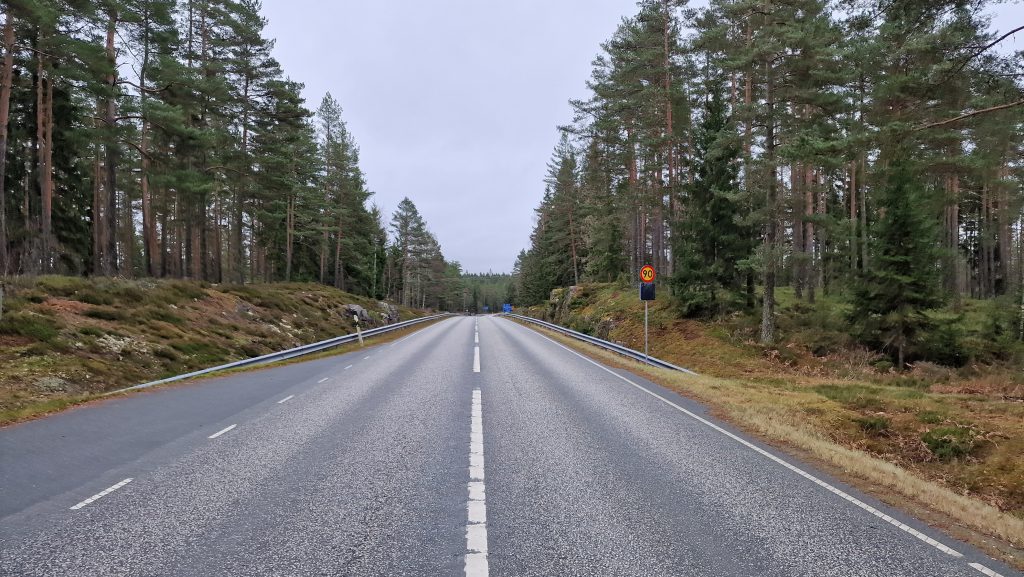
872	149
161	138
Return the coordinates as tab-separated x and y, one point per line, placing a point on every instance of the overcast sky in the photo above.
455	103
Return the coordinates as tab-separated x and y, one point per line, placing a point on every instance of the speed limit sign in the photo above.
647	273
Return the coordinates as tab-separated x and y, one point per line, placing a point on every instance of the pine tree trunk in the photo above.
6	78
98	243
864	263
795	184
810	269
853	217
339	269
323	258
572	244
110	120
239	194
44	132
290	224
1005	232
768	300
149	242
48	253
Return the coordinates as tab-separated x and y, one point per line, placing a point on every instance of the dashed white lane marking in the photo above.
222	431
366	357
985	570
476	506
102	493
476	338
286	399
322	380
348	367
476	359
839	492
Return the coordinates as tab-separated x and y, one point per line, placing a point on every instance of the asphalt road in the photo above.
472	447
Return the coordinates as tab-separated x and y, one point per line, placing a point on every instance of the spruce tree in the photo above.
891	299
712	240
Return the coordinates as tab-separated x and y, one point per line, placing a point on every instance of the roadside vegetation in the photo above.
65	339
947	433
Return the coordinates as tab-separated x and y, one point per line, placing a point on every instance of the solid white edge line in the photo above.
784	463
984	570
101	494
476	359
286	399
222	431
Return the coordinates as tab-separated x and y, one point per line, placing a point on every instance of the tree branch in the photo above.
970	114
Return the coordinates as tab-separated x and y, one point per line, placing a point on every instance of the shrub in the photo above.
177	291
33	326
91	331
944	344
37	350
948	443
105	314
94	298
162	314
854	396
931	417
166	353
201	352
873	425
63	286
35	297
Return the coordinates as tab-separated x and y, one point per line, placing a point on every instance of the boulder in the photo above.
359	312
388	311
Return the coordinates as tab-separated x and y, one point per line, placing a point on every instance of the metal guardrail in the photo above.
607	345
287	354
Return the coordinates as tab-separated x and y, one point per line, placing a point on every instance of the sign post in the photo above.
647	275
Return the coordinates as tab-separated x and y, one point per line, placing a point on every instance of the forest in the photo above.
868	151
160	138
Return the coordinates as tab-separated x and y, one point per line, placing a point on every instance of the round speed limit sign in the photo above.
647	273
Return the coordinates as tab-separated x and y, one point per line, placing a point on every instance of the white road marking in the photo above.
476	359
476	506
348	367
476	338
322	380
102	493
286	399
985	570
784	463
222	431
366	357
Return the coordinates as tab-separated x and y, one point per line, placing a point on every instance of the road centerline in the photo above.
476	505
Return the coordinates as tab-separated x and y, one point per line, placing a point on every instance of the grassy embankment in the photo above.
66	340
946	443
